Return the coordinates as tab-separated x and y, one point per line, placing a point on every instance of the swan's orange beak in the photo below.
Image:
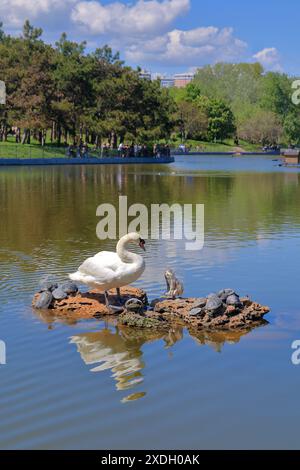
142	244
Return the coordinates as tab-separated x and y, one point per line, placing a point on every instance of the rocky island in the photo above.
224	310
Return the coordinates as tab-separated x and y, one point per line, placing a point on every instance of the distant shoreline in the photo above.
120	161
271	153
84	161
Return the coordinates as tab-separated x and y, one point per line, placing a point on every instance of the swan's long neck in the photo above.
125	255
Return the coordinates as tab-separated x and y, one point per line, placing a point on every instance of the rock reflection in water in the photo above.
218	339
119	349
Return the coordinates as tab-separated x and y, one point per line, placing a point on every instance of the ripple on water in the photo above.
90	385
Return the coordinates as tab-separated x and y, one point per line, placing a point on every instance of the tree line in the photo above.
240	100
65	94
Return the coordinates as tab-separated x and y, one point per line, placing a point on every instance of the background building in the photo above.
180	80
183	79
145	74
167	82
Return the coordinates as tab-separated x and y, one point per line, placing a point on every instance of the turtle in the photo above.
134	305
69	287
59	294
213	305
47	286
200	303
233	300
224	293
194	312
44	300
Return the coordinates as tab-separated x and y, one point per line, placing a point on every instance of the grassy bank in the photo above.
34	150
226	146
10	149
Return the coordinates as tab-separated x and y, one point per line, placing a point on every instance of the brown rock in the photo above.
246	301
230	310
251	313
91	304
167	313
145	321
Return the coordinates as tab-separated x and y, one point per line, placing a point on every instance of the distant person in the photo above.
158	151
131	152
144	151
85	150
120	149
125	151
104	150
155	150
78	152
70	151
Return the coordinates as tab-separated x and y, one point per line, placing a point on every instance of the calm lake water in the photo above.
89	385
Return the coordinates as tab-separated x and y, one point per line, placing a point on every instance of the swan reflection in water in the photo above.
120	350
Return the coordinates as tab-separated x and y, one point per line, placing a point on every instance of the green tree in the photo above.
235	84
193	90
291	126
276	93
31	33
262	127
193	121
2	34
220	118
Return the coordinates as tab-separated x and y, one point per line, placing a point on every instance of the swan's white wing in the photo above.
108	259
107	270
102	267
98	273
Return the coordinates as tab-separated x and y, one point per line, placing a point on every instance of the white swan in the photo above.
107	270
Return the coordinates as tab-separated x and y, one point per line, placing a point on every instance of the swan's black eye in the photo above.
142	244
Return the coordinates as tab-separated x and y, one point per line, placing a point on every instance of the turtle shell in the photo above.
59	294
223	294
44	300
47	286
69	287
233	300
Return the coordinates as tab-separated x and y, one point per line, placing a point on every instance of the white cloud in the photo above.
269	58
142	30
141	18
14	12
194	47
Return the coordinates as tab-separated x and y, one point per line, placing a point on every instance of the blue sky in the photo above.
171	35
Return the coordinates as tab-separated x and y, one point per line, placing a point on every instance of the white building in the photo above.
167	82
183	79
145	74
